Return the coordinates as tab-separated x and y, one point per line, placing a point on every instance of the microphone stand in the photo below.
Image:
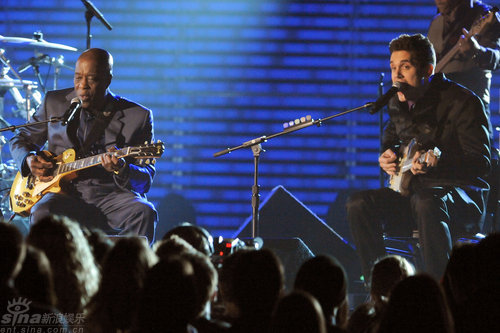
256	146
89	14
15	127
381	128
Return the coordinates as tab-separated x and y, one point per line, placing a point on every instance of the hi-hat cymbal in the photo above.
36	43
11	83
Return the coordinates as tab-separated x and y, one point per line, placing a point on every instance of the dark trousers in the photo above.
438	213
116	212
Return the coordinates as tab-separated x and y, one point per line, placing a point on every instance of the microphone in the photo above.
70	113
384	99
94	11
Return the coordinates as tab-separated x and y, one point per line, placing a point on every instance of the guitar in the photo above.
400	182
477	28
27	191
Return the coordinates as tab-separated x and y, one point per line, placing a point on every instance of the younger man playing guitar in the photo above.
445	196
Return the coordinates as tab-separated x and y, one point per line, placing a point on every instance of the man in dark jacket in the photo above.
445	193
110	195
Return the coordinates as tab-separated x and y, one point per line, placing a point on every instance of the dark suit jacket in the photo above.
451	118
131	125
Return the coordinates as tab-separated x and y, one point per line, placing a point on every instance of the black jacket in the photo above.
452	118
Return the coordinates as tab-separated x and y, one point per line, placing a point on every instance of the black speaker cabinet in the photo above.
281	215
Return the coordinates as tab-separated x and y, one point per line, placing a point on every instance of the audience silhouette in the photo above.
124	269
76	276
386	273
417	304
18	311
251	282
126	287
35	280
325	279
168	299
298	312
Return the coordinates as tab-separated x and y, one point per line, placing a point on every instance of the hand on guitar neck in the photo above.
467	43
111	162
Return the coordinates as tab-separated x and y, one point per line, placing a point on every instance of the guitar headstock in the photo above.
479	25
148	152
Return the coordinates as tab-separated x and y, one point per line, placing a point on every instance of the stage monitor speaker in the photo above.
281	215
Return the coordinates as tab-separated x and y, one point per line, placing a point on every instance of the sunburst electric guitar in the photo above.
477	28
400	182
27	191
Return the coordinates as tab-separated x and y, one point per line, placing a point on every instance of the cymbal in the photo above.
11	83
36	43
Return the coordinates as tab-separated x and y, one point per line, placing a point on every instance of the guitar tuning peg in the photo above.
159	141
141	162
147	161
146	142
153	161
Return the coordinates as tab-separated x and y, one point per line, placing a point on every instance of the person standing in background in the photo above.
456	28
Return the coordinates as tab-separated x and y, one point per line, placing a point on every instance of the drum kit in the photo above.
26	95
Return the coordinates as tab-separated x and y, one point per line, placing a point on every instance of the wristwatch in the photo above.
121	167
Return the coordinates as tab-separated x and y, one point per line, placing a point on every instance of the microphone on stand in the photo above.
94	11
70	113
384	99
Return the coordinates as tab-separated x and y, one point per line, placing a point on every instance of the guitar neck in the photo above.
87	162
477	27
446	59
408	163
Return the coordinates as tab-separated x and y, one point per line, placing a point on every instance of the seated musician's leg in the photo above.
430	210
72	207
369	213
129	214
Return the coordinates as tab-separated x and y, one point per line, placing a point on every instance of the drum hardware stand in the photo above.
27	87
89	14
36	70
256	146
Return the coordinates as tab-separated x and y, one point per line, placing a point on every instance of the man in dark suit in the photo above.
110	196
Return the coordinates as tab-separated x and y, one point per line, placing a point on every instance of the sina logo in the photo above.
17	309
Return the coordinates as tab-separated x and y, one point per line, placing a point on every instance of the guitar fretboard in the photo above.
87	162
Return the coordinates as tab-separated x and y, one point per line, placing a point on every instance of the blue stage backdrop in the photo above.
219	73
